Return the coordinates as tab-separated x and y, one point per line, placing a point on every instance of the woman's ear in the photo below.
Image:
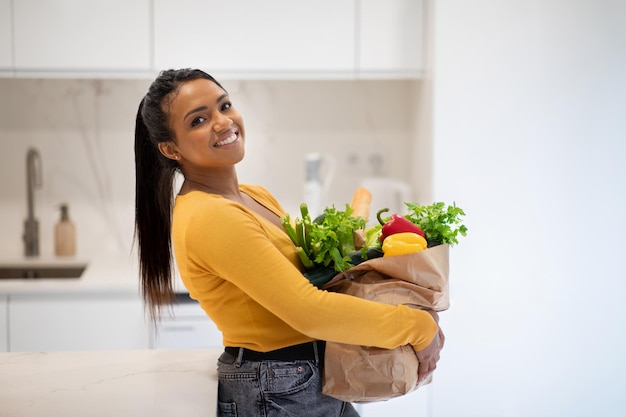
169	150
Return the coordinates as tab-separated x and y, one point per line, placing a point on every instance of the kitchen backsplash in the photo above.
84	130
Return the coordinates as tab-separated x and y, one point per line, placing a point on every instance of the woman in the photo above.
235	259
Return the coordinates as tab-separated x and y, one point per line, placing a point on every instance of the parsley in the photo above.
441	224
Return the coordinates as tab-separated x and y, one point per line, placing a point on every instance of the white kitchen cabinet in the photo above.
57	322
243	38
238	39
82	36
185	326
4	324
391	37
6	36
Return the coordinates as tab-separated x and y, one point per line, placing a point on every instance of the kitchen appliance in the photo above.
320	170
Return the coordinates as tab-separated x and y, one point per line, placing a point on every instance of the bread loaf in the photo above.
361	200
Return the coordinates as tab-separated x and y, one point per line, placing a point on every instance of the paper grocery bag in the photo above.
366	374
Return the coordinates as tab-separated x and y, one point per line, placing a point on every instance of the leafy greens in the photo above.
328	240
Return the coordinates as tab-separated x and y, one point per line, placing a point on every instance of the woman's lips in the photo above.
232	137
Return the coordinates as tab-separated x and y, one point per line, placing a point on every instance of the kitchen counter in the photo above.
151	383
105	275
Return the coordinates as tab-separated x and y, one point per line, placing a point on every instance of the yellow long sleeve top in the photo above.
246	275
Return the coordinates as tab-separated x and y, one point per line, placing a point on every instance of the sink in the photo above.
37	270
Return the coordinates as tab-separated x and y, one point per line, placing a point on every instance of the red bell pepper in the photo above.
397	224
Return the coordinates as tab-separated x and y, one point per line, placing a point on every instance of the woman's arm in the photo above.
233	244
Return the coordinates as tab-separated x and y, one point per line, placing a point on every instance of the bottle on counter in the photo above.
64	234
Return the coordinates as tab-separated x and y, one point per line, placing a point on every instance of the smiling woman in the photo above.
209	132
236	260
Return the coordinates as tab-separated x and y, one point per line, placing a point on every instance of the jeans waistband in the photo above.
313	351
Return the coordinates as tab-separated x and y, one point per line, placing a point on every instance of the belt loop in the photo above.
239	358
315	351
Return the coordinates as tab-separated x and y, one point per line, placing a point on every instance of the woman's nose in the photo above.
222	122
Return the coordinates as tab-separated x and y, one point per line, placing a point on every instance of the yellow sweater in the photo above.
244	272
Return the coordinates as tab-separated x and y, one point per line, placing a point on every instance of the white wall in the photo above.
530	139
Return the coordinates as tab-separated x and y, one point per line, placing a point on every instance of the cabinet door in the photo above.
186	327
391	37
6	23
251	37
76	322
4	324
78	35
189	333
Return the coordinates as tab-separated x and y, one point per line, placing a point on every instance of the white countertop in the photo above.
104	275
151	383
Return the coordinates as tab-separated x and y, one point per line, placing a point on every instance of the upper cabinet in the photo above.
274	38
6	37
391	37
246	38
82	36
236	39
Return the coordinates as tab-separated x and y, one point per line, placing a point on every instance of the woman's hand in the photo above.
429	356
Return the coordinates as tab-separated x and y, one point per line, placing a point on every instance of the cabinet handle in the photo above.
178	328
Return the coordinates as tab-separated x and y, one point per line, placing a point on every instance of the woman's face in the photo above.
209	131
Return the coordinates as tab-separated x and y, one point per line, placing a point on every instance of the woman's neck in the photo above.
215	183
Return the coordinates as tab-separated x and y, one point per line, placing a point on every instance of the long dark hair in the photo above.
154	181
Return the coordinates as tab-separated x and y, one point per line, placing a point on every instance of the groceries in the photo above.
326	241
403	243
400	260
338	240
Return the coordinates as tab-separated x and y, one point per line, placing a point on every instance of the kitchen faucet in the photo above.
33	180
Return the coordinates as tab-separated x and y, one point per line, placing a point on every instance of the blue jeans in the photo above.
274	389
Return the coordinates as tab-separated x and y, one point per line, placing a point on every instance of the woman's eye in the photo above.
197	120
227	105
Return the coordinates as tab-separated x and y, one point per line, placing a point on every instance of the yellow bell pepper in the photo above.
403	243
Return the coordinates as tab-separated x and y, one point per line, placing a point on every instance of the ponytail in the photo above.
154	180
153	220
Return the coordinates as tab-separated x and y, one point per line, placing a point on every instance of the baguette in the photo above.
361	200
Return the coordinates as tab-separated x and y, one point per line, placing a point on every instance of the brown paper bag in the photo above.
365	374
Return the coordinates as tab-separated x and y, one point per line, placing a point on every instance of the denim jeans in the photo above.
274	389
